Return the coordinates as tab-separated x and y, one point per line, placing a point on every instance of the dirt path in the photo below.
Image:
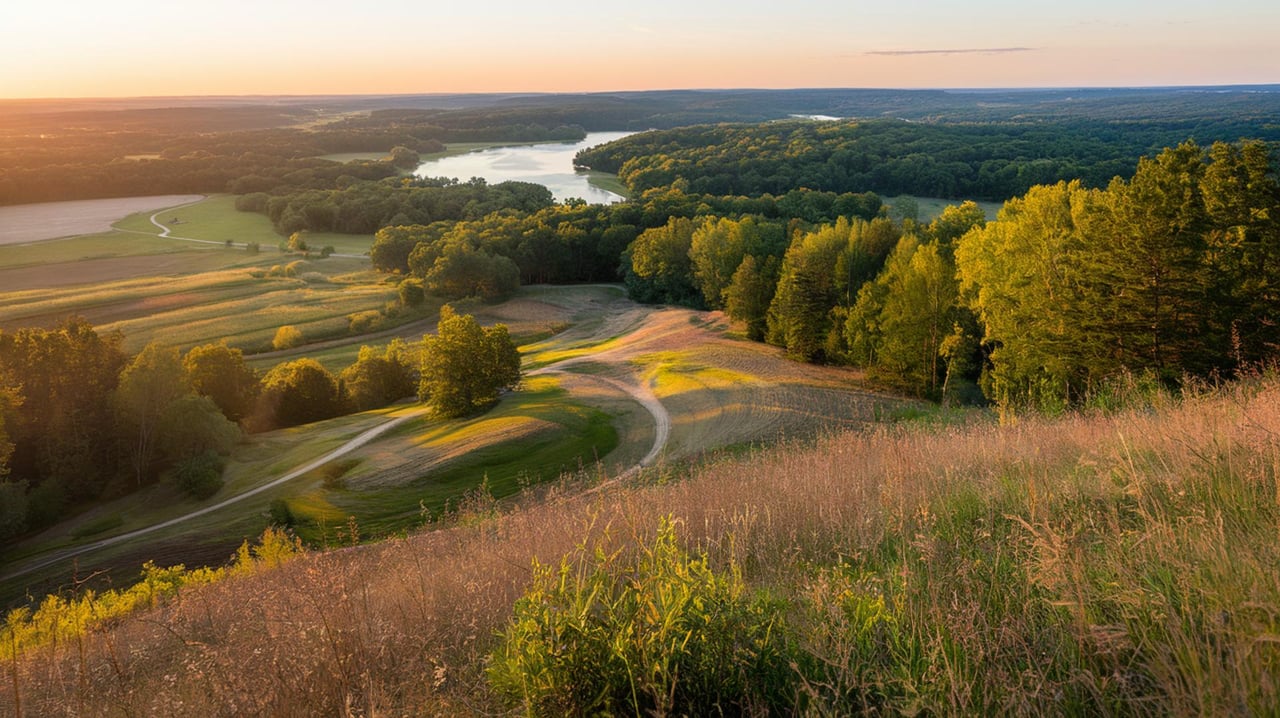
339	452
643	396
31	223
165	233
639	391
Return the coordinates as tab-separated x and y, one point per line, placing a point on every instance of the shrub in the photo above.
660	635
287	337
199	477
366	321
411	292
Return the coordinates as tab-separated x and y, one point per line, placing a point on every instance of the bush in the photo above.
411	292
199	477
660	635
287	337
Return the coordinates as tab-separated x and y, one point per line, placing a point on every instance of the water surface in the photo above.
549	164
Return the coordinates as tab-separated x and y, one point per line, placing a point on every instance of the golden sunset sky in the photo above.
237	47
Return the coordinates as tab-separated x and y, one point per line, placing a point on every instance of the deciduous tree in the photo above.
465	366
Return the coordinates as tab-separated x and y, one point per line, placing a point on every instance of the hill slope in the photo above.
1096	563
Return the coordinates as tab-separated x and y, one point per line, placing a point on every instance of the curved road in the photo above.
641	393
165	230
341	451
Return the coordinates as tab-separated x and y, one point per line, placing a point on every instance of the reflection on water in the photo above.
549	164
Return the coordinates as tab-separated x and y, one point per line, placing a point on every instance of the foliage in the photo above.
61	449
1073	286
150	384
900	321
718	248
659	269
659	634
200	476
220	373
991	160
298	392
823	269
287	337
411	292
58	619
464	366
375	380
192	425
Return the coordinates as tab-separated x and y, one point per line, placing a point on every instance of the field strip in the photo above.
165	232
339	452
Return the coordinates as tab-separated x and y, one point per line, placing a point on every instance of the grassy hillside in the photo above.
1104	563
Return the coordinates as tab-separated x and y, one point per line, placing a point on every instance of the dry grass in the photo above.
1118	564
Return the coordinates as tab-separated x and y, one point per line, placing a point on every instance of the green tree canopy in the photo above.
149	385
220	373
379	378
299	392
466	366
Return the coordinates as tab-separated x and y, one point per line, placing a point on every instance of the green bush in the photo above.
661	634
199	477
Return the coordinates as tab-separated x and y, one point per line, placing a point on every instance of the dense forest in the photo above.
1171	274
993	161
58	150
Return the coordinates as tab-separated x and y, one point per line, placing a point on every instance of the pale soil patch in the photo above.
49	220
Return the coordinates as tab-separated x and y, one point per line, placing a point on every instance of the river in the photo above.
549	164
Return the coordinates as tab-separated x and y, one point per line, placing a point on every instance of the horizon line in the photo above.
550	93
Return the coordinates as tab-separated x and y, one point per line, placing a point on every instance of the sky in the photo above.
130	48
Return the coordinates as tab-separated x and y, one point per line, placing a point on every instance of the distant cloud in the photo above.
963	51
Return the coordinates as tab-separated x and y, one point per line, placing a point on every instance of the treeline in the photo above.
1173	273
81	422
577	242
991	161
365	207
77	164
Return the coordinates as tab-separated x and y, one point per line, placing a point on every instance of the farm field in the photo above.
184	293
34	222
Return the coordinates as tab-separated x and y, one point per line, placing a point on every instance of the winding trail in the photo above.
643	396
348	447
166	230
640	392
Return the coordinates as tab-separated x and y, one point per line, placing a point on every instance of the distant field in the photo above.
35	222
217	219
931	207
232	305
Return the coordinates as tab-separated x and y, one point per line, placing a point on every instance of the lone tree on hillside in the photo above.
465	366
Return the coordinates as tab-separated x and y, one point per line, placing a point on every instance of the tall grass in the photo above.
1120	562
